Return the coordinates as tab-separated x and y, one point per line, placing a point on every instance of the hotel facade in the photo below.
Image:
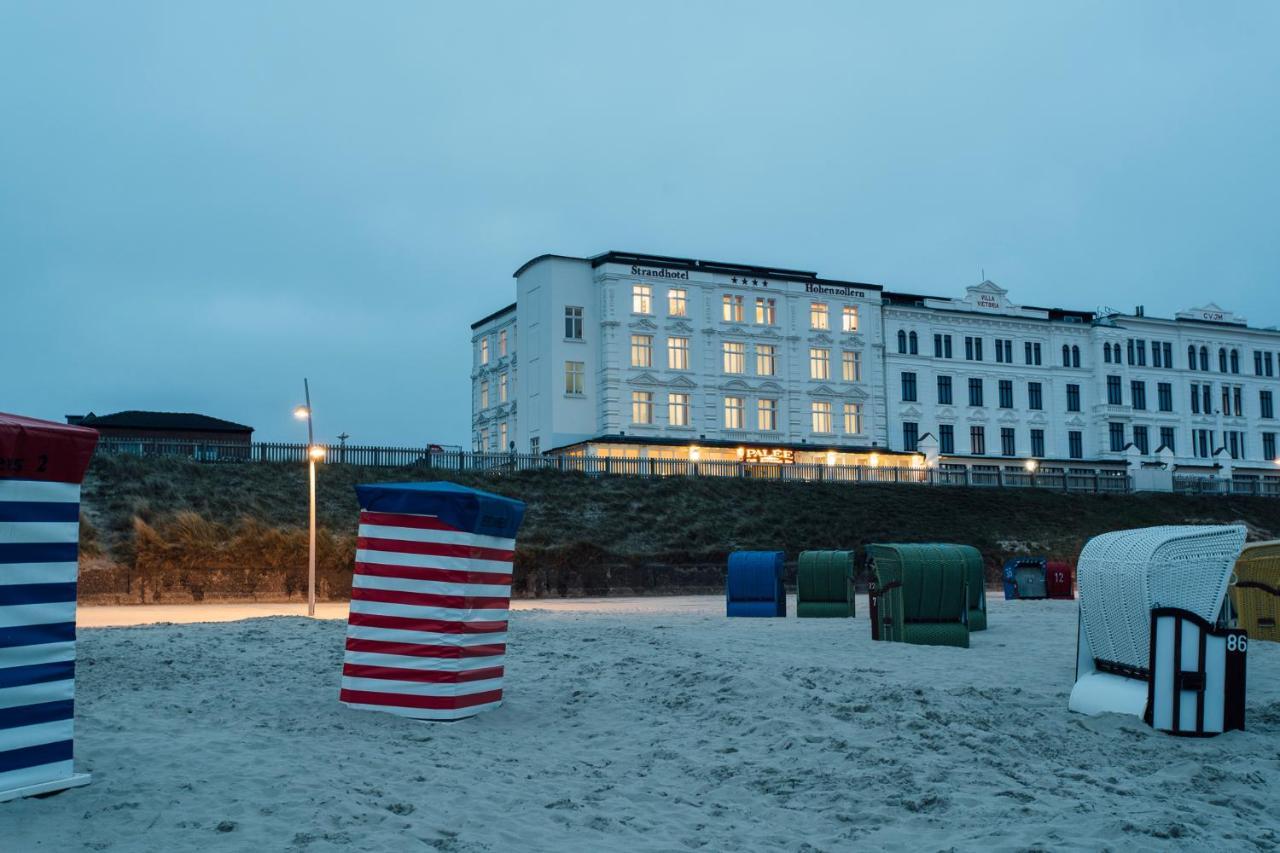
632	355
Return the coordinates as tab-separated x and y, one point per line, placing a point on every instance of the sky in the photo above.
202	203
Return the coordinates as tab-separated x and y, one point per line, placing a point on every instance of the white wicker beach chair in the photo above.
1177	573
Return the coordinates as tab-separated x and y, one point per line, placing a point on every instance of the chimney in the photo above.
1140	311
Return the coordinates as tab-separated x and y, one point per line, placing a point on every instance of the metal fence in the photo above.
1267	487
990	476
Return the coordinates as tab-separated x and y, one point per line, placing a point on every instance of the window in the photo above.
766	311
642	350
973	349
1140	440
977	440
1035	397
1202	442
1066	354
678	302
1129	344
732	308
1075	356
1167	439
849	318
944	390
913	343
1115	431
1237	394
735	357
946	438
1037	442
572	323
1191	358
819	363
1164	396
575	378
1235	443
502	436
1115	396
1257	362
1168	354
942	346
1265	406
1073	398
678	353
1206	398
1142	353
818	315
1222	359
1008	443
767	414
482	443
1195	398
821	411
1026	352
851	365
484	350
902	342
502	389
1156	360
766	359
1138	394
1267	364
1006	393
853	418
975	392
910	435
678	409
733	413
535	445
502	343
1235	361
1204	358
1269	445
908	387
1004	351
1033	353
484	393
1075	444
641	299
642	407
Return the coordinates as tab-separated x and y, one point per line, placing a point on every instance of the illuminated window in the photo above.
735	357
733	413
484	350
502	436
853	418
849	322
678	353
641	299
677	302
851	366
502	343
642	350
502	390
766	359
819	363
484	393
678	409
642	407
732	308
767	414
821	411
766	311
482	443
575	381
818	315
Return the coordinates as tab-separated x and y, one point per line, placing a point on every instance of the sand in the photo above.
649	724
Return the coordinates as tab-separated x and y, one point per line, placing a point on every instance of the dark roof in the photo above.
158	420
495	315
639	259
1055	314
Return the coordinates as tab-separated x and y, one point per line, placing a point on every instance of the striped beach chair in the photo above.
427	631
41	467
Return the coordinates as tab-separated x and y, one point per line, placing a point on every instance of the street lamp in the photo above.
315	453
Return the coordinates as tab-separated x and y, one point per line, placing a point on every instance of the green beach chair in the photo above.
920	593
824	584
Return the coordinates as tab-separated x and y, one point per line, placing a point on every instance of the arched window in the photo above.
1191	357
1075	356
1235	361
1066	356
1204	358
902	342
915	343
1222	359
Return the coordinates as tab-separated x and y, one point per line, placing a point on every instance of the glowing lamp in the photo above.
874	460
302	413
694	453
1031	466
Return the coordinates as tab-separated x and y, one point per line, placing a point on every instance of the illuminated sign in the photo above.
767	455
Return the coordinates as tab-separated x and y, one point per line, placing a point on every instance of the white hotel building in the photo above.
645	356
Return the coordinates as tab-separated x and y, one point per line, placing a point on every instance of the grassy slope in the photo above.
576	525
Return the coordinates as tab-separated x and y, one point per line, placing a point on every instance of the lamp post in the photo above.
314	454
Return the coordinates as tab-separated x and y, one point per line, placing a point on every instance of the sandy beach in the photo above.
643	724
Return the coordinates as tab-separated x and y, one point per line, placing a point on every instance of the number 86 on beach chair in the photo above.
1157	636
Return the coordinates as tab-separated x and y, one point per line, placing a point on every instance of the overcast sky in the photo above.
202	203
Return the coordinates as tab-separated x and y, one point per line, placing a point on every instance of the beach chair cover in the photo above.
1122	576
1031	581
824	584
1059	579
921	593
753	585
1256	591
427	632
41	467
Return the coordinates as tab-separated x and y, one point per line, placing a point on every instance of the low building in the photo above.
170	434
